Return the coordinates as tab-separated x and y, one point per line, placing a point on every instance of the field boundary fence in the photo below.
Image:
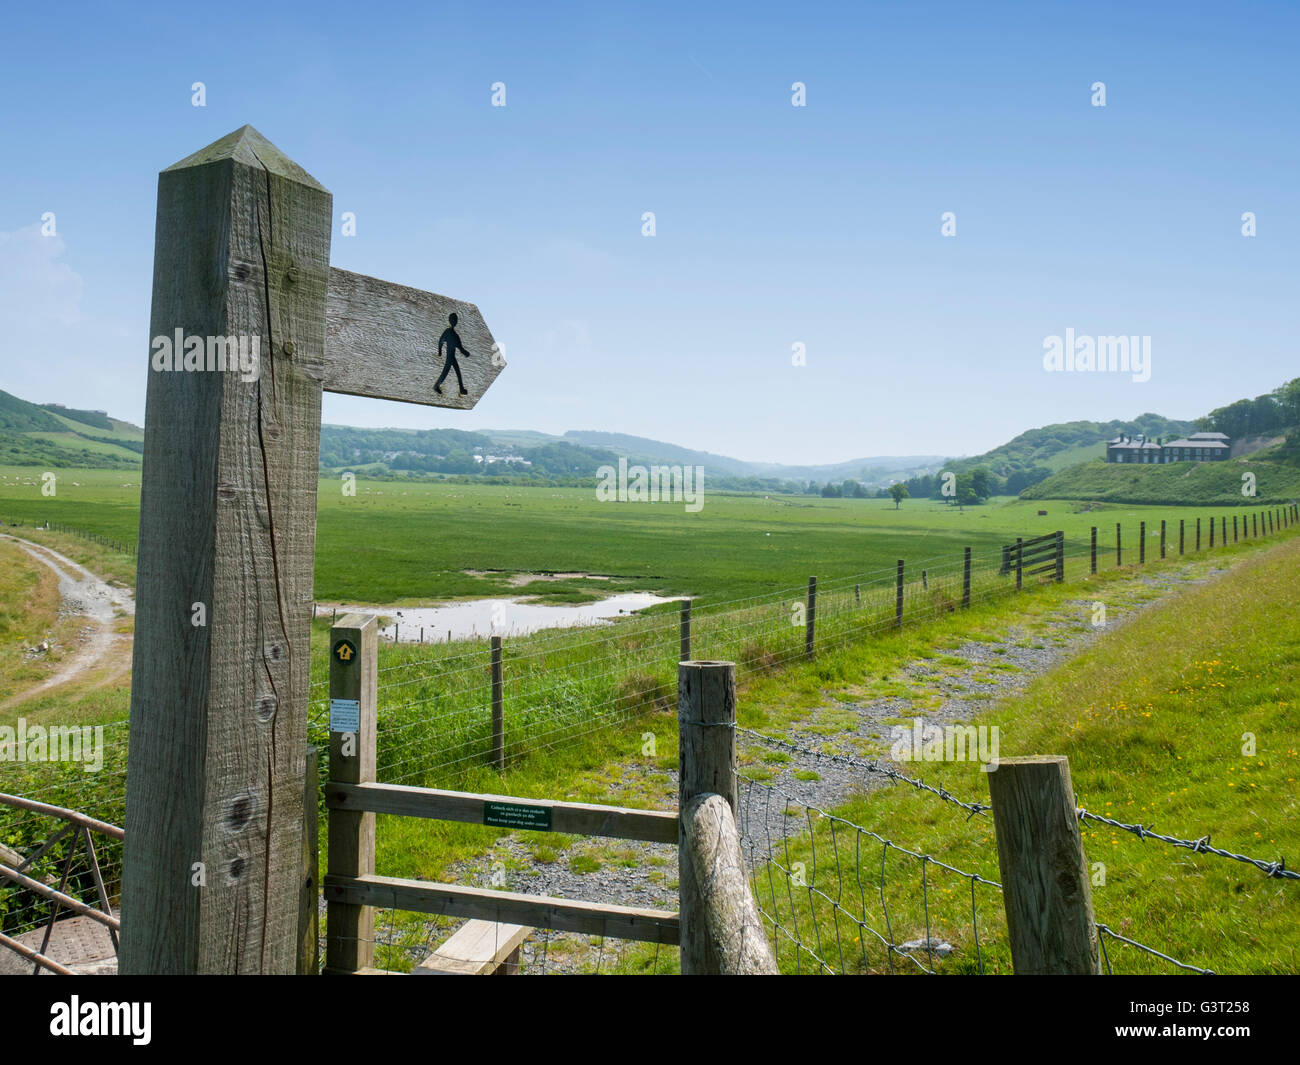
448	710
120	546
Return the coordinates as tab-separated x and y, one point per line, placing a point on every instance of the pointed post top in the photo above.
247	146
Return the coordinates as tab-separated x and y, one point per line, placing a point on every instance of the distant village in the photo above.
1199	447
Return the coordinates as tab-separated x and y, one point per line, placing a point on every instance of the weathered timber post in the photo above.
810	619
1045	883
706	725
1162	538
1142	543
309	893
925	583
1094	549
736	939
1234	528
1119	545
1223	531
1020	562
1182	534
898	596
227	520
684	653
1270	523
354	700
1211	533
857	594
1198	534
1060	556
965	578
498	707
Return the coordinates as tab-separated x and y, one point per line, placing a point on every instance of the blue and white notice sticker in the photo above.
345	715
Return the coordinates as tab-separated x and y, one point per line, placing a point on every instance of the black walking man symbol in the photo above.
452	339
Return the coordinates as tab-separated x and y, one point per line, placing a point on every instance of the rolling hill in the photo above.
52	435
1175	484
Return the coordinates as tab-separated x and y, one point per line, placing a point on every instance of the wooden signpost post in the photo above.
249	326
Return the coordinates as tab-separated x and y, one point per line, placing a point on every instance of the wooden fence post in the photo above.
965	578
1020	562
898	596
1211	533
1198	534
1234	528
1142	543
1094	549
227	519
810	619
1162	538
1223	531
1119	545
1060	556
309	896
498	707
354	698
1045	883
1182	534
684	652
706	764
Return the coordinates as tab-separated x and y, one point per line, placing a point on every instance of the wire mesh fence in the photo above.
561	686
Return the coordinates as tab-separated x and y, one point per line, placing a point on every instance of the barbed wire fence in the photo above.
806	893
564	686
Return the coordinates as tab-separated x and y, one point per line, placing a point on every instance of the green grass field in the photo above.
395	543
581	704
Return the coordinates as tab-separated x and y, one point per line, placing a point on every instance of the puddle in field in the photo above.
497	617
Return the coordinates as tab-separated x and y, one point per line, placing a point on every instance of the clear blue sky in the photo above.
775	224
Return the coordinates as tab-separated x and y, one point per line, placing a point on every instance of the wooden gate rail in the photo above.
538	911
353	798
573	818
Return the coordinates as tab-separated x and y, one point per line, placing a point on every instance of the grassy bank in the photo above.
1198	484
1158	721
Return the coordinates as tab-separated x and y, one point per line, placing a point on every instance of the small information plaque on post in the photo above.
345	715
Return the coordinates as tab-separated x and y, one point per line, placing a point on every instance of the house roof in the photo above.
1197	442
1208	436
